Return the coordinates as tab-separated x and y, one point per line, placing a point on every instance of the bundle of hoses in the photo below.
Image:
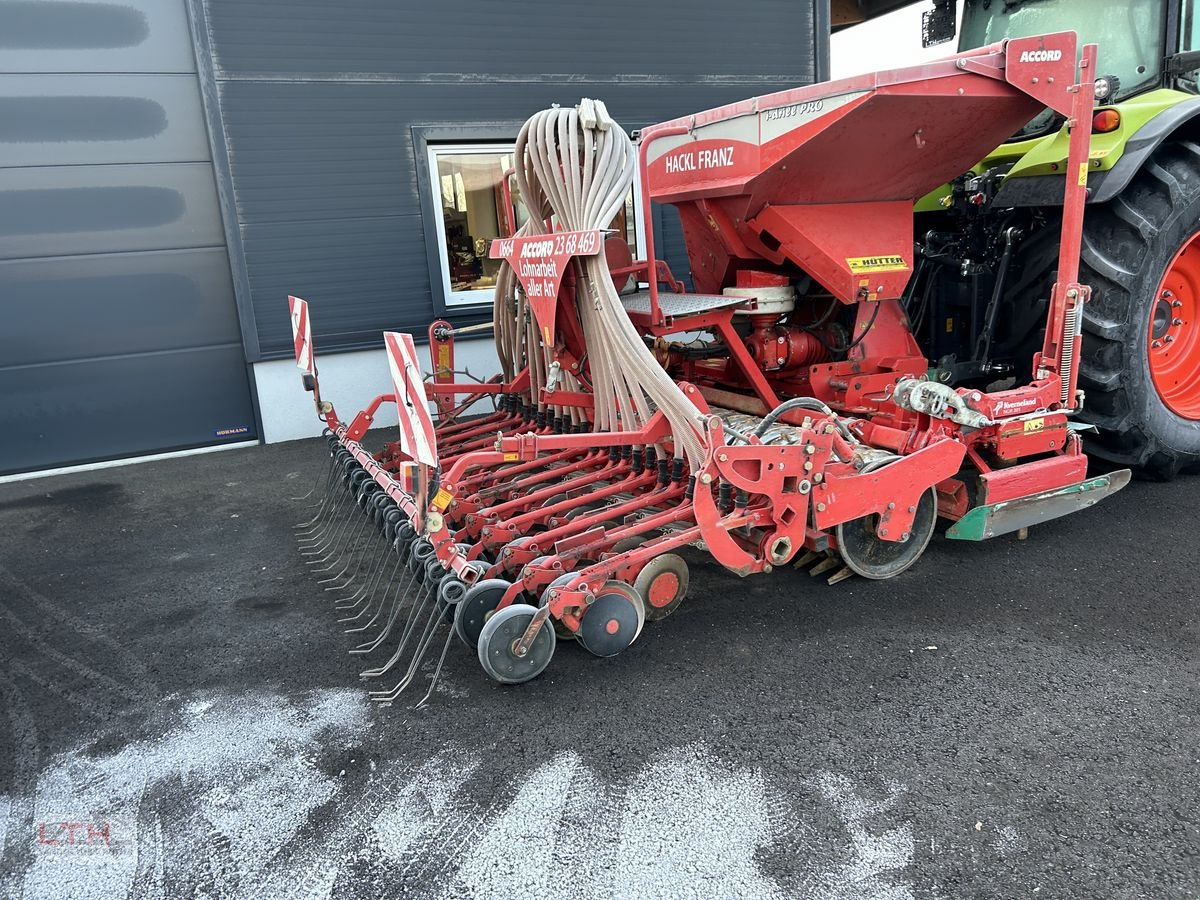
578	164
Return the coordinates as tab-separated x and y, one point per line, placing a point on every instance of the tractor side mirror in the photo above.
939	24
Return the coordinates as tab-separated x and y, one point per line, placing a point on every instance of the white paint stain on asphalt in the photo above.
515	855
240	758
875	855
691	826
224	804
424	801
5	811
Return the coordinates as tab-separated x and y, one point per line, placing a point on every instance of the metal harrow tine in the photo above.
370	584
329	492
322	475
393	616
331	532
397	601
368	558
418	602
361	536
436	672
365	604
317	535
342	537
386	697
348	537
331	501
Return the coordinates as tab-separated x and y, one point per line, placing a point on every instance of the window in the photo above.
1129	34
1189	40
468	194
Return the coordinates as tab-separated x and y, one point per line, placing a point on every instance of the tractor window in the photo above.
1189	31
1189	39
1129	34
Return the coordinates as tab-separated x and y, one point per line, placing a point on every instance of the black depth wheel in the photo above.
613	621
497	645
871	556
476	606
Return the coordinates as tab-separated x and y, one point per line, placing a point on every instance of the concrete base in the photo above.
351	381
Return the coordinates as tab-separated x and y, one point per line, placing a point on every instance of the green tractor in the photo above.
987	242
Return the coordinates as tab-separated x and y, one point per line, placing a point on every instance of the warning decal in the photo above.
877	264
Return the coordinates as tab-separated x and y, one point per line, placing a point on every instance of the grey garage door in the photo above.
118	327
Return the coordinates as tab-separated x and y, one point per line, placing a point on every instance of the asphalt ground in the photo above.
1007	719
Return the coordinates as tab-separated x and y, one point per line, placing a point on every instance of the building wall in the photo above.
321	106
318	101
171	169
118	328
351	379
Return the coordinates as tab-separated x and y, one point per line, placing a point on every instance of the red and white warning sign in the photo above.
301	335
416	425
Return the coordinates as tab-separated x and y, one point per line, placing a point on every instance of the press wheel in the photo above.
476	606
871	556
497	645
663	584
624	545
613	620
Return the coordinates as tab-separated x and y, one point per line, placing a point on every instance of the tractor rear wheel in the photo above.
1140	358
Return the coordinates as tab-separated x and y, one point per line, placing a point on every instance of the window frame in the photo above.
428	140
456	299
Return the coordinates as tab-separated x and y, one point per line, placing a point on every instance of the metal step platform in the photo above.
679	306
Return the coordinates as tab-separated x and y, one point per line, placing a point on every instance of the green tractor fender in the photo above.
1047	190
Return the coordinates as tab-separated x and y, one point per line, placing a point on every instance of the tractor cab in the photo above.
1144	45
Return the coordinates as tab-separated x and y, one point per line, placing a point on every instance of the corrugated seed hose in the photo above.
579	164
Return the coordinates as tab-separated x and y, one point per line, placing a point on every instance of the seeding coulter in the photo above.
783	413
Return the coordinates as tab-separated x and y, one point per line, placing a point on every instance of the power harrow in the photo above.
783	413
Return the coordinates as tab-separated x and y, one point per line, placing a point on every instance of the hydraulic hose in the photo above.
811	403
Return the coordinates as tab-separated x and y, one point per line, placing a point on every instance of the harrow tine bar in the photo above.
327	531
333	501
352	553
397	600
347	535
322	476
423	646
378	564
436	672
418	602
365	603
399	596
331	498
